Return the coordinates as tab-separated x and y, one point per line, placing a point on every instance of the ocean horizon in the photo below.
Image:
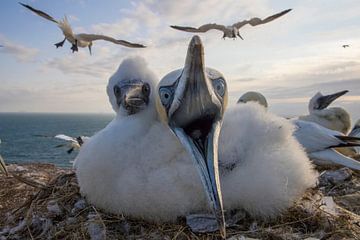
29	137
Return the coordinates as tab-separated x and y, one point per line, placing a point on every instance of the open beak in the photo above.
325	101
196	117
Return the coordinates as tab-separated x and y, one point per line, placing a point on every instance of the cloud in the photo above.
20	52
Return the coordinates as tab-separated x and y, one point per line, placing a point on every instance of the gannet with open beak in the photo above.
334	118
254	160
318	141
233	30
79	40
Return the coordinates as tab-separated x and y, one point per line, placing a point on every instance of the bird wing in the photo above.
257	21
330	156
203	28
65	27
314	137
94	37
40	13
65	137
3	166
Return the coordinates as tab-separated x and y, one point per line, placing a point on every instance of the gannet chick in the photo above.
334	118
233	30
253	144
79	40
136	166
318	141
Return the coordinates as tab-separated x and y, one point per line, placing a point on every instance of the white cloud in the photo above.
20	52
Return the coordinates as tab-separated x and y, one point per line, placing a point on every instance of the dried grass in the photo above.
34	219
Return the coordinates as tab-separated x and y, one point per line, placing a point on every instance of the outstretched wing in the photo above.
257	21
40	13
65	137
201	29
94	37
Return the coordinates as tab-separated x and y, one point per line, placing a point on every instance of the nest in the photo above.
56	210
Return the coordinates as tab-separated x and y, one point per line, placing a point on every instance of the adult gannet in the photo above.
79	40
253	97
318	141
345	45
3	168
233	30
334	118
71	142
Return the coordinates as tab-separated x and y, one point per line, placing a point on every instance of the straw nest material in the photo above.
54	209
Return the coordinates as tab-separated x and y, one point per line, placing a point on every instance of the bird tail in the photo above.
331	157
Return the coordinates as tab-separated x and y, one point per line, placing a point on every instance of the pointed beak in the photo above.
195	117
325	101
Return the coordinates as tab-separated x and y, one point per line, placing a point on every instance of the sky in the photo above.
288	60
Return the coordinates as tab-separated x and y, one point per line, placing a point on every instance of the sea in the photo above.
29	137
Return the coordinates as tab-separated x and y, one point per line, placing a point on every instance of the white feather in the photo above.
137	167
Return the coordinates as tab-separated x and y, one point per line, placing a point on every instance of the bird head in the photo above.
191	101
319	101
253	97
129	88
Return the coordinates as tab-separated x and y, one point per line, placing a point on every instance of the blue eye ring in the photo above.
219	86
166	96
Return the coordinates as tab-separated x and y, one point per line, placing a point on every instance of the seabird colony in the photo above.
163	155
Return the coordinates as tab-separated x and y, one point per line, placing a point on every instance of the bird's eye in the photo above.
117	91
146	89
219	86
165	96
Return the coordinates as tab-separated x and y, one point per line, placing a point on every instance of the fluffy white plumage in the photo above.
136	165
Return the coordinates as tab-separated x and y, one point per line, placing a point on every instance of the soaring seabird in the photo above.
345	45
318	141
233	30
334	118
79	40
137	166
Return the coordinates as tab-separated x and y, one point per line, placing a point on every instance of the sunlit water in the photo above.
20	143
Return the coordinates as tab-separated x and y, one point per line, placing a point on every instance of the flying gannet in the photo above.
79	40
233	30
318	141
334	118
138	167
345	45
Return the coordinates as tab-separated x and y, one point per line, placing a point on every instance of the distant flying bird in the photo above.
72	143
345	45
79	40
233	30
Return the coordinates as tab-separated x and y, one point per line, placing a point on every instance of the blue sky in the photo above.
288	60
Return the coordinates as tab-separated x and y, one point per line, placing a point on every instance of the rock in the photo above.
335	177
203	223
54	208
95	229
